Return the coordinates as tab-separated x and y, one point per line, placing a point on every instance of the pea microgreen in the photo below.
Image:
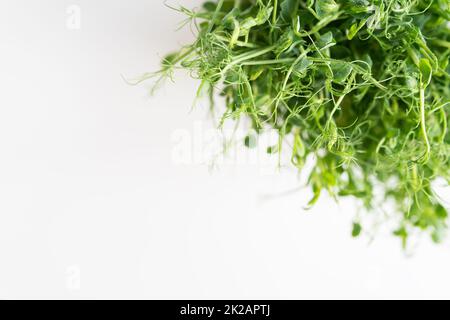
363	86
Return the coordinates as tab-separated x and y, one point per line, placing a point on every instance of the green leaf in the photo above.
256	73
441	213
325	41
169	60
356	230
426	71
272	149
250	141
317	190
332	135
262	17
299	147
354	29
368	60
341	71
356	7
284	42
302	66
288	9
210	6
326	8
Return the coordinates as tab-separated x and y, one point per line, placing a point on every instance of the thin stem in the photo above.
274	15
238	43
212	22
247	56
274	20
442	43
265	62
423	127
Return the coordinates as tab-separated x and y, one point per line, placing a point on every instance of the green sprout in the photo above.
360	86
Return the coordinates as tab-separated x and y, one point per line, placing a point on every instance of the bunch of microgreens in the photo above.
363	86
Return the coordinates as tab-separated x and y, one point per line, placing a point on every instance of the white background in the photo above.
93	205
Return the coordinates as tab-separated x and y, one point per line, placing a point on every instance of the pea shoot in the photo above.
360	86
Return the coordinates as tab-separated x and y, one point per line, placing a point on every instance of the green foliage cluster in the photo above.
363	86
